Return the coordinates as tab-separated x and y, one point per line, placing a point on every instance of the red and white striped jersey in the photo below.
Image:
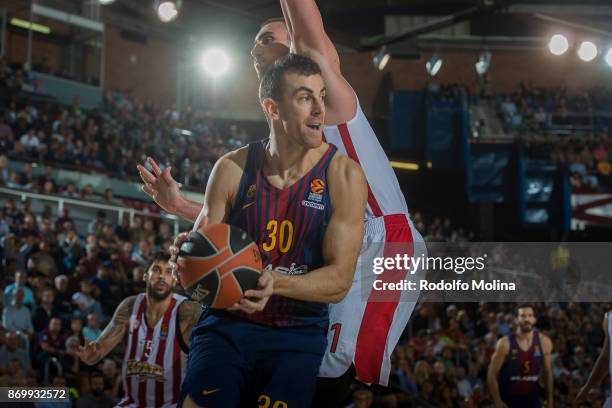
154	364
357	140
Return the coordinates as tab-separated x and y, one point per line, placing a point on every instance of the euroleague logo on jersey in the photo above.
315	196
317	186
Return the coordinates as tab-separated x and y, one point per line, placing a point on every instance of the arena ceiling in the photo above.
350	21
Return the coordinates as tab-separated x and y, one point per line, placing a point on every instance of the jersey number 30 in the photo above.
281	236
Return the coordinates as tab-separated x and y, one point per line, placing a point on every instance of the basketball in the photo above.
218	264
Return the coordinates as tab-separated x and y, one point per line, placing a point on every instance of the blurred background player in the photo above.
602	367
516	365
157	323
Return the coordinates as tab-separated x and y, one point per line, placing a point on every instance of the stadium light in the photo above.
609	57
215	62
558	44
167	10
483	63
382	57
433	65
105	2
587	51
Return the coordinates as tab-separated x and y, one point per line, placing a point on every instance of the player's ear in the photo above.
270	108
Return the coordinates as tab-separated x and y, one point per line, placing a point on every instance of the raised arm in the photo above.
161	187
497	360
341	243
308	37
600	369
112	334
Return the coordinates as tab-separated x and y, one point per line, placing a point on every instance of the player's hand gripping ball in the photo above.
218	263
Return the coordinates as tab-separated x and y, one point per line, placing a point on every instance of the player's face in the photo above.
526	319
271	43
160	281
302	109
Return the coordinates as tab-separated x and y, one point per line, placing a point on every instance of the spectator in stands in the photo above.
14	349
110	199
30	141
112	377
45	310
86	303
63	299
71	191
70	359
50	342
96	398
92	330
16	316
362	398
4	170
123	230
76	328
95	226
88	193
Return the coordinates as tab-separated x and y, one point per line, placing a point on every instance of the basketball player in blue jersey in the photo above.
602	367
303	204
518	362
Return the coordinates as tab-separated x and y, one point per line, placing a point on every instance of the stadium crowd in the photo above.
112	139
61	285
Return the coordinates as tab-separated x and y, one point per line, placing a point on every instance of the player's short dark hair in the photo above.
159	256
273	82
273	20
524	306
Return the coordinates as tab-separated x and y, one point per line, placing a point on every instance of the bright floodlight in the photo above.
609	57
587	51
167	11
381	59
433	65
215	62
558	44
483	63
105	2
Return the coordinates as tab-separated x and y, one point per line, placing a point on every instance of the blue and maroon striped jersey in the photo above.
288	225
520	373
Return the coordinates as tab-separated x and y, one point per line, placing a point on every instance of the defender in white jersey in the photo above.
156	325
602	367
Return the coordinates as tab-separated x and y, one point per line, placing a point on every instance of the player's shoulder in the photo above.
545	340
234	160
346	168
503	344
128	302
188	309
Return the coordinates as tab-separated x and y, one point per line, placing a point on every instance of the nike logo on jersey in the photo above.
248	205
208	392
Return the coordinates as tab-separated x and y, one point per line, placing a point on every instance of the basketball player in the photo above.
518	360
157	324
602	366
362	335
303	205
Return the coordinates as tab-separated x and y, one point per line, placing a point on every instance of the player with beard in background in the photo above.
516	366
157	325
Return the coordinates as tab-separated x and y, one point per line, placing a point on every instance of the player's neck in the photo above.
156	308
524	336
289	160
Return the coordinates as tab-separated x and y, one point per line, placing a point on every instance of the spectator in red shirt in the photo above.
50	342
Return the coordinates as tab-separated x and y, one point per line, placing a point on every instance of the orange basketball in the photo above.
218	264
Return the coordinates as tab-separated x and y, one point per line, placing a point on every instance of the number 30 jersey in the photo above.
288	225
